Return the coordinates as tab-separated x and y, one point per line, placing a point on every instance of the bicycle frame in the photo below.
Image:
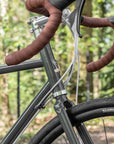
59	93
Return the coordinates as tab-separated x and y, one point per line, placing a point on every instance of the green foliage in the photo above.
104	40
15	32
107	81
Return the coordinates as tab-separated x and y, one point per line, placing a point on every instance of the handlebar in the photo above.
46	8
99	22
105	60
42	7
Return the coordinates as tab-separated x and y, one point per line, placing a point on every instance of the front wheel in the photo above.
90	113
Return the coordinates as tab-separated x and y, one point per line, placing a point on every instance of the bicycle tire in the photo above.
77	114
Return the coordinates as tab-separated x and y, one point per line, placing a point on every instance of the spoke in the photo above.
105	130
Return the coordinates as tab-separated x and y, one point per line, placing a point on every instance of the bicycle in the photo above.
69	115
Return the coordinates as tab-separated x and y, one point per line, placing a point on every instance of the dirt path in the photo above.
96	132
98	137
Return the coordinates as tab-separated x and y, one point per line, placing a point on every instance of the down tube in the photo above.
24	119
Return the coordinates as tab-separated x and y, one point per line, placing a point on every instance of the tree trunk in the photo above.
5	110
88	12
98	83
4	96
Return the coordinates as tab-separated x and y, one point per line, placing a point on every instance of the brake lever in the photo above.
76	13
79	7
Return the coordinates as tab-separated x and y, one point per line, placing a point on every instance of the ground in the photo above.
96	131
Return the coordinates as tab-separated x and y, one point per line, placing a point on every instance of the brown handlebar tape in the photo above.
46	8
96	22
95	66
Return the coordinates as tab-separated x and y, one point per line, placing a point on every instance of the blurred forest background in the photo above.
15	32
